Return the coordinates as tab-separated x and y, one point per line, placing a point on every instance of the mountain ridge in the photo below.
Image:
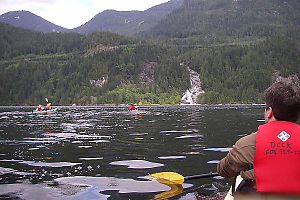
122	22
210	19
31	21
128	22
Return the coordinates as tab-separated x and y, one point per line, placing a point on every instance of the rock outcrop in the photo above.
100	82
147	75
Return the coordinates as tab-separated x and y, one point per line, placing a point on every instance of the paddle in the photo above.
177	178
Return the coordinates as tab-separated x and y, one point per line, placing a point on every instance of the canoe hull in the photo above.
229	195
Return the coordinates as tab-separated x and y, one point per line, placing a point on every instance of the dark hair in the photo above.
284	98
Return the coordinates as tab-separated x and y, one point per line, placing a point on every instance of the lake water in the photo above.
105	152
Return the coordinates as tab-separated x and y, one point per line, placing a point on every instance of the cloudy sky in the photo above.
73	13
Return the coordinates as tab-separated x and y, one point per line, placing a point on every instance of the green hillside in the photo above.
233	45
240	74
128	22
228	20
39	65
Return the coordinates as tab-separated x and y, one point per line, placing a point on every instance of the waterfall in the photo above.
191	95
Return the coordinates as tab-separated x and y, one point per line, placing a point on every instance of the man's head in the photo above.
283	97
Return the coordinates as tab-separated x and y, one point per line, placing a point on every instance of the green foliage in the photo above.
227	42
241	74
133	94
128	22
15	42
66	76
214	21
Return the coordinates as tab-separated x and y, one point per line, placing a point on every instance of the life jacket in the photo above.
48	107
39	108
277	158
132	108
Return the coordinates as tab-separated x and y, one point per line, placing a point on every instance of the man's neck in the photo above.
272	119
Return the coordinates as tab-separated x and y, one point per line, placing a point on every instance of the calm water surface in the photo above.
106	152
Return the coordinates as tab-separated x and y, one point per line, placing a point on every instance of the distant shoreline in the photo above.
124	105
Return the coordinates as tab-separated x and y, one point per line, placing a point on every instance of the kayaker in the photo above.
269	159
133	107
49	106
39	108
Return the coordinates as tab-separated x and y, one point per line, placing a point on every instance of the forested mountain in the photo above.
207	20
69	68
123	22
128	22
234	50
28	20
16	42
224	20
240	73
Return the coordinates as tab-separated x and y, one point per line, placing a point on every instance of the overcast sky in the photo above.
73	13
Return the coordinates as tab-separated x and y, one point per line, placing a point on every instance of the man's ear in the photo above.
268	114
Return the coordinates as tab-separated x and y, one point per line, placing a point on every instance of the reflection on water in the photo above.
171	157
218	149
137	164
81	188
43	164
103	152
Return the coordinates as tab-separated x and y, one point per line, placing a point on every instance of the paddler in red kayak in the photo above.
39	108
268	160
133	107
49	106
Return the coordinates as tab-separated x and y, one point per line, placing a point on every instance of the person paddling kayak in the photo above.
133	107
49	106
39	108
269	159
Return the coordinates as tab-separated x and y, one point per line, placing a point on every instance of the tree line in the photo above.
61	67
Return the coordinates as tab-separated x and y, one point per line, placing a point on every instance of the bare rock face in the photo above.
147	75
100	82
191	95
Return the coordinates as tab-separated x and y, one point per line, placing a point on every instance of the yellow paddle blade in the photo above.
170	176
174	191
